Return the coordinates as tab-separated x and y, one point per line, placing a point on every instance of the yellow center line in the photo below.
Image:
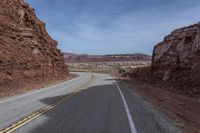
10	130
40	112
35	115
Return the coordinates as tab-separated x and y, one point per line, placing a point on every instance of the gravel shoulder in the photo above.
183	111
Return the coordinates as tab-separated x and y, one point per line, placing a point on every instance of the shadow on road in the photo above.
100	109
95	110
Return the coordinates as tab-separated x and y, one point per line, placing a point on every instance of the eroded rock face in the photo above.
27	52
177	59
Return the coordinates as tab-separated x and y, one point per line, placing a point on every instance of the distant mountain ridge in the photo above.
71	57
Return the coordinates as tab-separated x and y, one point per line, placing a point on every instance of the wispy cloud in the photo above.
114	26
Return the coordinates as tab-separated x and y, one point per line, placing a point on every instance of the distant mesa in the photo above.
71	57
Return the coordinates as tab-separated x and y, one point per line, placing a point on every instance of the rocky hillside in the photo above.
70	57
177	59
176	62
28	55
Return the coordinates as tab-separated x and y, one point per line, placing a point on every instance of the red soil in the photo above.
184	111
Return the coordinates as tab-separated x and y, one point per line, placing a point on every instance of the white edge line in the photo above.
130	120
37	91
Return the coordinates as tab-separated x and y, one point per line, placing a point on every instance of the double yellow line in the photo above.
40	112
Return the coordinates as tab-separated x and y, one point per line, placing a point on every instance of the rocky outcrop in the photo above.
27	53
177	59
179	50
175	62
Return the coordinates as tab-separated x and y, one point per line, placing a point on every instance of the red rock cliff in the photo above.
177	59
175	63
27	53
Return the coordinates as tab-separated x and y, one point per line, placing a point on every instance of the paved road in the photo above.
91	103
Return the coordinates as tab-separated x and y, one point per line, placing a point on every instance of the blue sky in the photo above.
113	26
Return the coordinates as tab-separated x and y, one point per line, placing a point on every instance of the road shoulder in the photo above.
147	117
9	93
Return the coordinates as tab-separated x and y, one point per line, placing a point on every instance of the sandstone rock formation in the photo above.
177	59
27	53
175	62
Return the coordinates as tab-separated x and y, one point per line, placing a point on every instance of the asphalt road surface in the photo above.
91	103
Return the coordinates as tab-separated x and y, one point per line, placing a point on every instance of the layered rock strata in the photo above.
27	53
177	59
175	62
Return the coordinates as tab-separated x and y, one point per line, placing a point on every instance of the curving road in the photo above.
91	103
